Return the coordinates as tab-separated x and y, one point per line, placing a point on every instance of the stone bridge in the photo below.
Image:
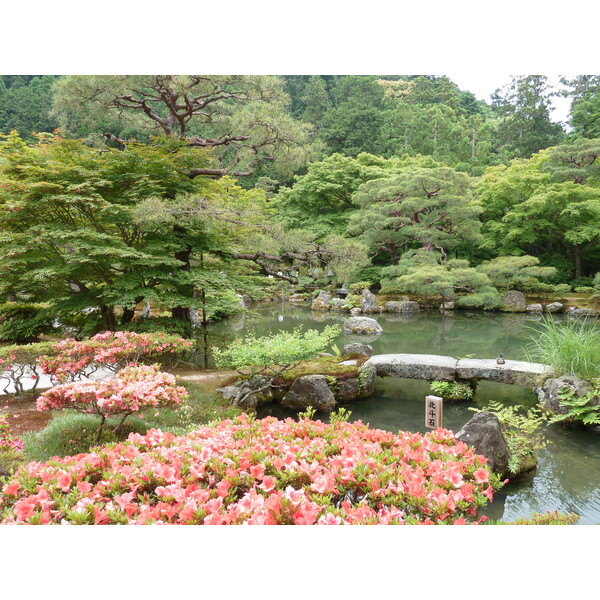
433	367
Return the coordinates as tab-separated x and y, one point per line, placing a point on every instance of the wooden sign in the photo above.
434	406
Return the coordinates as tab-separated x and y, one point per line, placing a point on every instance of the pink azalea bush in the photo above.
11	448
19	363
72	359
249	471
133	389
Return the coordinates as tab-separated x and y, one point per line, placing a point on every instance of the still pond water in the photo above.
568	474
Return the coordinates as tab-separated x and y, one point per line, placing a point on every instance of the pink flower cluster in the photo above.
133	388
259	472
7	440
72	359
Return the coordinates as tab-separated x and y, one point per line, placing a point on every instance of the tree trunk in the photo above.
108	317
127	315
184	256
578	270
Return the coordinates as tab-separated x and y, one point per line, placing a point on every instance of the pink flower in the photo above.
268	484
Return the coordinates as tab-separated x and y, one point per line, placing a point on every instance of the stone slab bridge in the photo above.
445	368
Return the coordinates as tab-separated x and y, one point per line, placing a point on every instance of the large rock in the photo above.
356	348
483	433
555	307
514	301
310	390
362	326
534	308
321	302
367	376
249	393
368	302
548	392
337	304
584	312
404	306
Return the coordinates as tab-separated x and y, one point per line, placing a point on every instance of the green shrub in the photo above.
359	286
452	390
160	325
547	518
580	409
23	322
585	289
561	289
582	281
571	348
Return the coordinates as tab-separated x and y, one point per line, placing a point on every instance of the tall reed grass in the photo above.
571	347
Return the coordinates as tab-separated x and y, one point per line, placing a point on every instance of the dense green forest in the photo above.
185	190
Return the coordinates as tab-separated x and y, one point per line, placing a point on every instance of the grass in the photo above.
571	348
70	433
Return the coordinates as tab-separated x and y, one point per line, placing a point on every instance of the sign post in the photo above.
434	406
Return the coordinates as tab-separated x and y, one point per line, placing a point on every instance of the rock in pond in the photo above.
584	312
362	326
321	302
514	301
534	308
355	311
310	390
405	306
548	392
368	302
337	304
356	348
249	393
484	434
555	307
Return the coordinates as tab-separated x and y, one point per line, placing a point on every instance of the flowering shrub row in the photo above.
72	359
265	471
134	388
11	448
18	363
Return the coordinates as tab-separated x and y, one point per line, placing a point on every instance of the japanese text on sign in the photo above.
433	411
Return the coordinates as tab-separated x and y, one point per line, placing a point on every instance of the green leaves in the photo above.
268	354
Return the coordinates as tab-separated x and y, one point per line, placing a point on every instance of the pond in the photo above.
568	473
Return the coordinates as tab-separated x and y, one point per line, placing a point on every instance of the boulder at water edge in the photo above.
337	304
548	392
362	326
534	308
484	434
404	306
514	301
368	302
310	390
555	307
321	302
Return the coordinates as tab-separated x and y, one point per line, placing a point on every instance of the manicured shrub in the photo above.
259	472
73	360
133	389
18	363
11	449
23	322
